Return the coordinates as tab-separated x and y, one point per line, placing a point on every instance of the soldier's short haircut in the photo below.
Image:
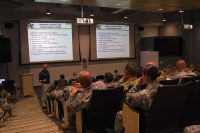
131	69
152	71
108	77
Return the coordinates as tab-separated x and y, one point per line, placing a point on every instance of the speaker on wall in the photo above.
5	50
140	28
8	25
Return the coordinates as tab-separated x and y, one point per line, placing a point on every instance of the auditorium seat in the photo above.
169	82
52	106
192	113
9	86
188	79
102	111
65	114
168	107
130	119
99	77
56	109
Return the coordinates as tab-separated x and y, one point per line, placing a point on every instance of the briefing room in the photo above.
99	66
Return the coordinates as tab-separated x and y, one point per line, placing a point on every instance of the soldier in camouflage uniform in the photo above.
143	98
80	98
130	77
140	98
182	70
5	106
4	94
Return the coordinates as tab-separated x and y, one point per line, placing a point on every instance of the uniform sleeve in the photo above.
141	99
77	103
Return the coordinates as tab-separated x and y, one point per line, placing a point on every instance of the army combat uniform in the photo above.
5	107
127	83
182	74
136	97
80	101
142	99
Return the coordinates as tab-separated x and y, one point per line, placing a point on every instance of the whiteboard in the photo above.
146	56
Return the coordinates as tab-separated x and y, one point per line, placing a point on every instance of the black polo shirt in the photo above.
44	75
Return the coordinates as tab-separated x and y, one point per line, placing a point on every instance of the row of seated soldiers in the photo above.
5	108
140	95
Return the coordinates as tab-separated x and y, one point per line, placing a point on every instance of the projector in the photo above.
85	21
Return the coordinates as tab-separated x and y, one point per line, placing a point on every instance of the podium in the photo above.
27	84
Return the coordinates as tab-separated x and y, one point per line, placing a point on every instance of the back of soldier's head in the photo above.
108	77
131	69
85	79
61	83
62	76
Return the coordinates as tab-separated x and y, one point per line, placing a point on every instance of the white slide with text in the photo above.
112	41
50	42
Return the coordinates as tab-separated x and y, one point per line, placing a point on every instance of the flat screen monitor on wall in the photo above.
169	46
112	41
48	41
5	50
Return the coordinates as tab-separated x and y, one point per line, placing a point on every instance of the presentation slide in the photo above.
50	42
112	41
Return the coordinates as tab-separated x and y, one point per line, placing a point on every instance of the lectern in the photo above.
27	84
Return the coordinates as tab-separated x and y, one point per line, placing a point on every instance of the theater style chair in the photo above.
188	79
56	109
168	108
65	114
130	119
52	106
99	77
101	114
166	113
48	106
192	113
170	82
10	88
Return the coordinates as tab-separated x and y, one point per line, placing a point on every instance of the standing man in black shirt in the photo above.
44	78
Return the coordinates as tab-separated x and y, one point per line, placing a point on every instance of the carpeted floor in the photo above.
29	119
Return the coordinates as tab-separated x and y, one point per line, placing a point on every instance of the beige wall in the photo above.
150	31
170	29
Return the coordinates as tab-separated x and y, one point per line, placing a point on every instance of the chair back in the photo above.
99	77
9	86
188	79
192	114
169	82
103	108
166	112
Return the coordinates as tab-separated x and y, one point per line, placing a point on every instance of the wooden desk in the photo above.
27	84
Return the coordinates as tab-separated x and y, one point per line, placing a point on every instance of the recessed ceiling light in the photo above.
91	15
118	4
160	9
48	13
125	17
164	20
181	11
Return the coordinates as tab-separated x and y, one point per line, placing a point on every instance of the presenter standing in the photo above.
44	79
